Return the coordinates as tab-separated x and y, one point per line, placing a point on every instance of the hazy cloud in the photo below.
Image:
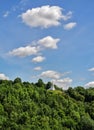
67	16
69	26
63	83
49	42
38	59
3	76
6	14
44	16
89	84
91	69
38	68
23	2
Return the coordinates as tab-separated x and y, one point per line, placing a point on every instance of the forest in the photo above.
32	106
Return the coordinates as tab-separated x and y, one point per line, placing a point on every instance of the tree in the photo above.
86	123
40	83
48	85
26	106
17	80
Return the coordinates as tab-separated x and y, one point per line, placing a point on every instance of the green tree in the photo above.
40	83
17	80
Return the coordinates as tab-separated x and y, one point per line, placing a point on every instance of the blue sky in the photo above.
51	39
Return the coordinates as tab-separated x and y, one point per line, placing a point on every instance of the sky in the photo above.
48	39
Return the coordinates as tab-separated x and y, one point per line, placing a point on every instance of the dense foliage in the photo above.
31	106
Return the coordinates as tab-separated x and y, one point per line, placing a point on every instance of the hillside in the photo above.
31	106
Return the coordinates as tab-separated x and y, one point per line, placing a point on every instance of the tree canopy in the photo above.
31	106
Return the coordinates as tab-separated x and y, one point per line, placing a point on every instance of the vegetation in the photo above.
29	106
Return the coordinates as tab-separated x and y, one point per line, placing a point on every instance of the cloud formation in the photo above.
38	59
57	79
44	16
51	74
38	68
67	16
6	14
3	77
63	83
40	45
24	51
70	25
23	2
89	84
91	69
49	42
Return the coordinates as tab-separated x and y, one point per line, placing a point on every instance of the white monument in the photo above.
52	87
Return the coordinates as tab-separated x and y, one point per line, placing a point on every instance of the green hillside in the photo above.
31	106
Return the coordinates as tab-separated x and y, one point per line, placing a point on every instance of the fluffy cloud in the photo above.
91	69
49	42
70	25
89	84
63	83
56	78
44	16
6	14
40	45
38	59
3	76
51	74
24	51
37	68
54	74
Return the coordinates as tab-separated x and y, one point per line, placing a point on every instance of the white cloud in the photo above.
6	14
91	69
38	59
89	84
49	42
38	46
24	51
66	73
38	68
56	78
44	16
51	74
63	83
3	77
69	26
67	16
